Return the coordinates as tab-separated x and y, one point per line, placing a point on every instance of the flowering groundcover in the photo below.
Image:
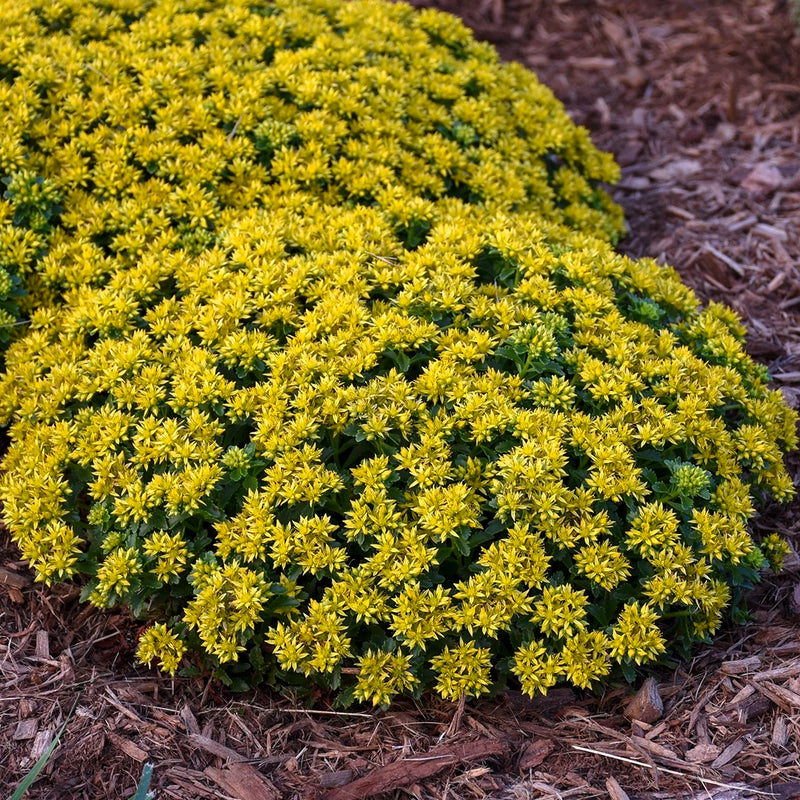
327	365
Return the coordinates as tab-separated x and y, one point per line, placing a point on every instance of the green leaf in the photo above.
142	792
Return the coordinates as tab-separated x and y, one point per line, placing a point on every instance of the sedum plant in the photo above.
332	371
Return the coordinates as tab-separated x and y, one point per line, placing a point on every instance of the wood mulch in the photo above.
700	103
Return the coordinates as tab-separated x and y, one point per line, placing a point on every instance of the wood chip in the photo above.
776	282
593	62
635	77
787	377
15	595
603	111
738	222
789	88
26	729
244	782
734	265
762	179
654	749
190	781
703	754
676	170
43	645
535	753
740	666
118	704
128	747
782	697
546	789
41	742
189	720
13	579
728	754
780	732
681	212
646	705
615	791
655	731
331	780
634	183
770	232
407	771
615	32
215	748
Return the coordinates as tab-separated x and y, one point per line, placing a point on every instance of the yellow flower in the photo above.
462	670
536	669
561	611
382	675
585	658
158	642
170	550
114	575
421	615
635	636
775	549
227	605
653	529
603	563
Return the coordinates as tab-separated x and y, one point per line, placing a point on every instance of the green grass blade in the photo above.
144	784
28	780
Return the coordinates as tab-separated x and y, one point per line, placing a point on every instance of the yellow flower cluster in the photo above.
331	363
158	643
226	607
140	126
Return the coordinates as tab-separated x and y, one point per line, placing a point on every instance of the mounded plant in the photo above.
332	370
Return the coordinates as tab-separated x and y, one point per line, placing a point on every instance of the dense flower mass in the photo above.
132	127
332	368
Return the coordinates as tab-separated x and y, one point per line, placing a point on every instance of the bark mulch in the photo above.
700	103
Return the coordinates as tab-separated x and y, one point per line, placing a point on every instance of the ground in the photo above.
699	100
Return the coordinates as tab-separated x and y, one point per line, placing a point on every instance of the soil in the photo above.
700	104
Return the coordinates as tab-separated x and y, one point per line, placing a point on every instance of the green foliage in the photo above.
332	370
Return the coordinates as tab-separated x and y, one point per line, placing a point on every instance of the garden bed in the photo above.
700	103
